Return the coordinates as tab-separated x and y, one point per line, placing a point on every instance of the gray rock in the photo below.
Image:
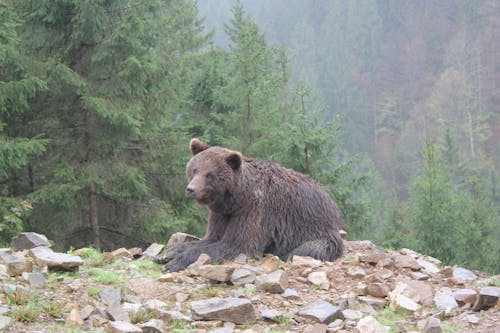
320	279
111	295
270	314
36	280
87	311
116	312
275	282
29	240
152	251
473	319
377	289
153	326
304	262
352	314
463	296
463	274
235	310
123	327
44	256
242	276
17	264
321	311
404	261
372	258
4	322
444	299
356	272
488	298
316	328
290	293
432	325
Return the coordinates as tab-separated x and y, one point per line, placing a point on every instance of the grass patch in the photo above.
284	321
141	316
250	290
388	317
451	327
52	309
27	313
18	297
103	276
92	257
93	291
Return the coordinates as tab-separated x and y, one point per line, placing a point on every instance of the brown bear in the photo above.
255	207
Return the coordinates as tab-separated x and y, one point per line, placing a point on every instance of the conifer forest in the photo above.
392	105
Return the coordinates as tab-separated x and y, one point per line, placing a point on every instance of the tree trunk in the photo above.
94	222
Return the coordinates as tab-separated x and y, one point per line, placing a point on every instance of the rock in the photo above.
275	282
290	293
180	237
356	272
352	315
372	258
86	312
74	318
369	324
270	314
152	251
320	279
203	259
316	328
400	301
170	316
377	290
473	319
242	276
121	253
443	298
271	264
463	274
4	322
321	311
235	310
181	297
153	326
405	261
465	296
421	292
432	325
17	264
123	327
220	273
111	295
29	240
428	267
44	256
375	302
135	252
303	262
154	304
488	298
117	312
36	280
419	276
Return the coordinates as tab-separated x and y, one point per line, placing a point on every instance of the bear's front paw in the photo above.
175	265
163	258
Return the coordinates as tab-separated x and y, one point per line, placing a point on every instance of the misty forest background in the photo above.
392	105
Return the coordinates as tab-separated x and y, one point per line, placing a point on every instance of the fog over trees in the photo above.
392	105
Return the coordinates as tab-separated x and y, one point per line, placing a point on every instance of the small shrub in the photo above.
26	313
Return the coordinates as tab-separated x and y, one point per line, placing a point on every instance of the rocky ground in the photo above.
368	290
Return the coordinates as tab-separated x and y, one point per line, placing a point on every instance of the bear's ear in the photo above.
234	160
197	146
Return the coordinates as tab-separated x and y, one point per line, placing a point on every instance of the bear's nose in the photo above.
190	191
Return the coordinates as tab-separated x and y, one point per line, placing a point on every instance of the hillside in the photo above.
368	290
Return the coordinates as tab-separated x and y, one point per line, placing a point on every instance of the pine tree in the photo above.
18	85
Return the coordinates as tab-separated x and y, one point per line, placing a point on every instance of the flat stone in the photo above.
400	301
111	295
352	315
444	299
153	326
306	262
36	280
372	258
369	324
488	298
320	279
290	293
422	292
432	325
4	322
220	273
405	261
73	318
152	251
121	253
465	296
428	267
44	256
123	327
116	312
29	240
321	311
419	276
270	264
473	319
316	328
235	310
463	274
356	272
87	311
180	237
275	282
271	314
374	302
135	252
242	276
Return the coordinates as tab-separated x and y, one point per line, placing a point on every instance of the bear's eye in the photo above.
209	176
194	171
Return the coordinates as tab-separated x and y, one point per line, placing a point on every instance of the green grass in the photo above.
18	297
104	276
26	313
93	291
451	327
92	257
284	321
388	317
52	309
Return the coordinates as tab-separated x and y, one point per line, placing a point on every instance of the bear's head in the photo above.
212	172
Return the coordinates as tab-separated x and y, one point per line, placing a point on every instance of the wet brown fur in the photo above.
256	207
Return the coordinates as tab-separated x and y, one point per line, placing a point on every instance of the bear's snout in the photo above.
190	191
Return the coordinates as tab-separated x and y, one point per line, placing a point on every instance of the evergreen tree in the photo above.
114	71
18	85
